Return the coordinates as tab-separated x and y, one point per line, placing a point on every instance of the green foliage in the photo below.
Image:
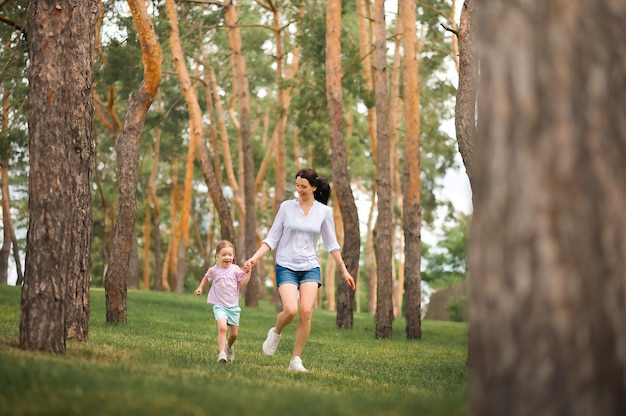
446	264
457	309
163	362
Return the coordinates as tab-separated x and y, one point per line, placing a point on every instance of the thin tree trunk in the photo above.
365	51
548	284
127	148
465	107
339	163
411	178
243	95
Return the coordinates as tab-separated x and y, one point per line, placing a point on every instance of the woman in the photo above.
294	236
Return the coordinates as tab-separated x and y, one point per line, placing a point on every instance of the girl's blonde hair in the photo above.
222	244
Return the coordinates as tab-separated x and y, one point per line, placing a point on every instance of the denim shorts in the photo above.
231	314
285	275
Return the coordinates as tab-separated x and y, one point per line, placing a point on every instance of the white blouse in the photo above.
295	236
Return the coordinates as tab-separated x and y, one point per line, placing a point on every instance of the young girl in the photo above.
227	279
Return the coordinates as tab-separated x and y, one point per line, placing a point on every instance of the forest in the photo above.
135	135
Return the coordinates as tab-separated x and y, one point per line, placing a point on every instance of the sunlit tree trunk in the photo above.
60	121
339	163
243	95
548	244
365	51
128	156
411	178
382	236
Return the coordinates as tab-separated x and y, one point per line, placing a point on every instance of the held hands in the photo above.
248	264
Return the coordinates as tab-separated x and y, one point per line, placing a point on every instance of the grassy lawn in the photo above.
163	362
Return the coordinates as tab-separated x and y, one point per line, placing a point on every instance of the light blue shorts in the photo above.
285	275
231	314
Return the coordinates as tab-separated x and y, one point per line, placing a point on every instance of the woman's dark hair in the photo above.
322	193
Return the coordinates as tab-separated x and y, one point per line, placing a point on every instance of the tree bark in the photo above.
382	237
411	184
339	164
548	285
243	95
127	148
60	109
465	107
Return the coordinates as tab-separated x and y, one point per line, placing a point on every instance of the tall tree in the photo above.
197	141
243	95
412	215
127	148
548	285
465	107
339	163
383	238
62	42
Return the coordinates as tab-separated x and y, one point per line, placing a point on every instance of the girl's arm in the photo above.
203	283
244	282
342	266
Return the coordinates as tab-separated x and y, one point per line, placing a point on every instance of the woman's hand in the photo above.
249	263
349	281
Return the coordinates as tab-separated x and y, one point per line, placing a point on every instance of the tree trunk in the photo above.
60	118
243	94
548	285
365	51
7	226
412	213
127	148
339	164
465	107
382	233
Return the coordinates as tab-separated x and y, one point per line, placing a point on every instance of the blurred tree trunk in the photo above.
365	22
243	95
411	178
7	223
394	112
382	233
55	295
548	285
153	213
133	264
127	148
339	163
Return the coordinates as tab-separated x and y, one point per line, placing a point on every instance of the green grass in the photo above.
163	363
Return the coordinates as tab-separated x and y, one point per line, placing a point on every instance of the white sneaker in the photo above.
271	342
221	357
296	365
230	353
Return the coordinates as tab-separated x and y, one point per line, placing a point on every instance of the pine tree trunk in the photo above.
412	184
548	285
127	148
339	163
382	233
56	286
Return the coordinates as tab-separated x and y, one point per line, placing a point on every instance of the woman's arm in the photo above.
256	256
344	270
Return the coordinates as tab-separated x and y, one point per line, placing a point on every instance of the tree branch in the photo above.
449	29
